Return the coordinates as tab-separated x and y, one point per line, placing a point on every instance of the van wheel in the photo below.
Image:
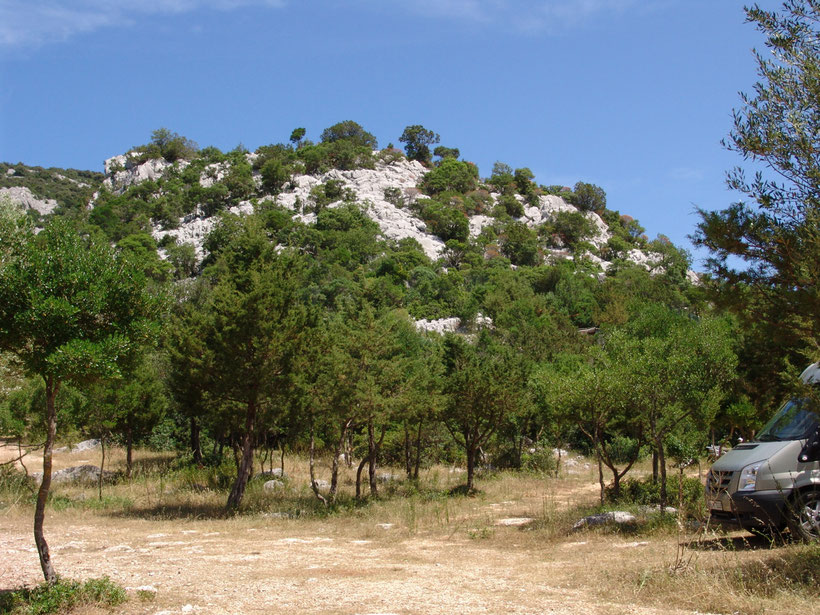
805	521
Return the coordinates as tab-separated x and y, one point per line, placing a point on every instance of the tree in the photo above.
589	197
297	135
590	392
766	253
451	175
417	140
252	324
170	145
483	387
446	152
72	310
678	370
349	131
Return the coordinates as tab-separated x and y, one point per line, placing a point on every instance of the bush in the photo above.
645	492
451	175
62	596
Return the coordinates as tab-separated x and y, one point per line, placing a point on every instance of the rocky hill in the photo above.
178	201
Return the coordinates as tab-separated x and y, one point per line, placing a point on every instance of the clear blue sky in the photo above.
632	95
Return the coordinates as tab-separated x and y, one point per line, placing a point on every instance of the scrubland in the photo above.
420	547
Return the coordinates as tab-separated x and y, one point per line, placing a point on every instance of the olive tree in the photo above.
72	309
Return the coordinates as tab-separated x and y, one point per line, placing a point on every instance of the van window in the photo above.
797	419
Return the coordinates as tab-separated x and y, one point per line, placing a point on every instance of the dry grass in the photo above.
416	549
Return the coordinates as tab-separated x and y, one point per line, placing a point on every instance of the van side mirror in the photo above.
811	451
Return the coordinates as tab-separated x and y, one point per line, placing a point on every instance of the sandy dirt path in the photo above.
276	566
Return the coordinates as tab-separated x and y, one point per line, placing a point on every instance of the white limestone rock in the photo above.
125	172
26	198
617	517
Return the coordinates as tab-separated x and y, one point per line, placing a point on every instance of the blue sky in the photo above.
632	95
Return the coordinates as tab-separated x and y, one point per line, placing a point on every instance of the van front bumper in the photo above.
749	510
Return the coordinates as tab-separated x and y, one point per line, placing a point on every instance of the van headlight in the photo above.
748	477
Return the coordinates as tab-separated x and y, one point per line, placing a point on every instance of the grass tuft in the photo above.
61	597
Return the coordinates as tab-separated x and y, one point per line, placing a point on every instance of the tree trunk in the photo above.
417	465
372	463
52	388
600	471
334	470
246	465
129	452
662	465
408	456
471	455
359	478
102	468
196	442
311	466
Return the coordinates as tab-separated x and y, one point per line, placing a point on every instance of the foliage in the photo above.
766	253
589	197
646	492
71	188
62	597
349	131
451	175
168	145
417	140
570	227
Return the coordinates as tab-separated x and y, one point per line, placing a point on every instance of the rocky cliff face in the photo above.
25	197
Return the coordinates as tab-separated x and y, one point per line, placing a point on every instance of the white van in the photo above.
773	481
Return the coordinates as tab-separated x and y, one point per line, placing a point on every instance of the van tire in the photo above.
804	522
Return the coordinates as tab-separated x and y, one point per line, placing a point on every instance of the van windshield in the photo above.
797	419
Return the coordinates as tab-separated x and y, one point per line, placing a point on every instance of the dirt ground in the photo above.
260	564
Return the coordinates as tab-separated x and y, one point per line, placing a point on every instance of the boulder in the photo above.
322	484
27	199
616	517
273	485
77	474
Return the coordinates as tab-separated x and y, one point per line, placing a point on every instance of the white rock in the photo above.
617	517
273	485
25	197
515	521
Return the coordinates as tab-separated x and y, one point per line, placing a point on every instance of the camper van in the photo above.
773	481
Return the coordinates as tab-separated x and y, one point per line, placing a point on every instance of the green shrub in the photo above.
451	175
63	596
646	492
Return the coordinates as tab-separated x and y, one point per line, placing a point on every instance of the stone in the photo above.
76	474
26	199
617	517
321	484
273	485
515	521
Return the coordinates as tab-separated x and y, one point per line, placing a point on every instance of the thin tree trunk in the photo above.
662	464
373	459
408	457
418	452
359	478
311	461
42	494
196	442
471	454
102	468
282	460
334	471
129	451
600	471
246	465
